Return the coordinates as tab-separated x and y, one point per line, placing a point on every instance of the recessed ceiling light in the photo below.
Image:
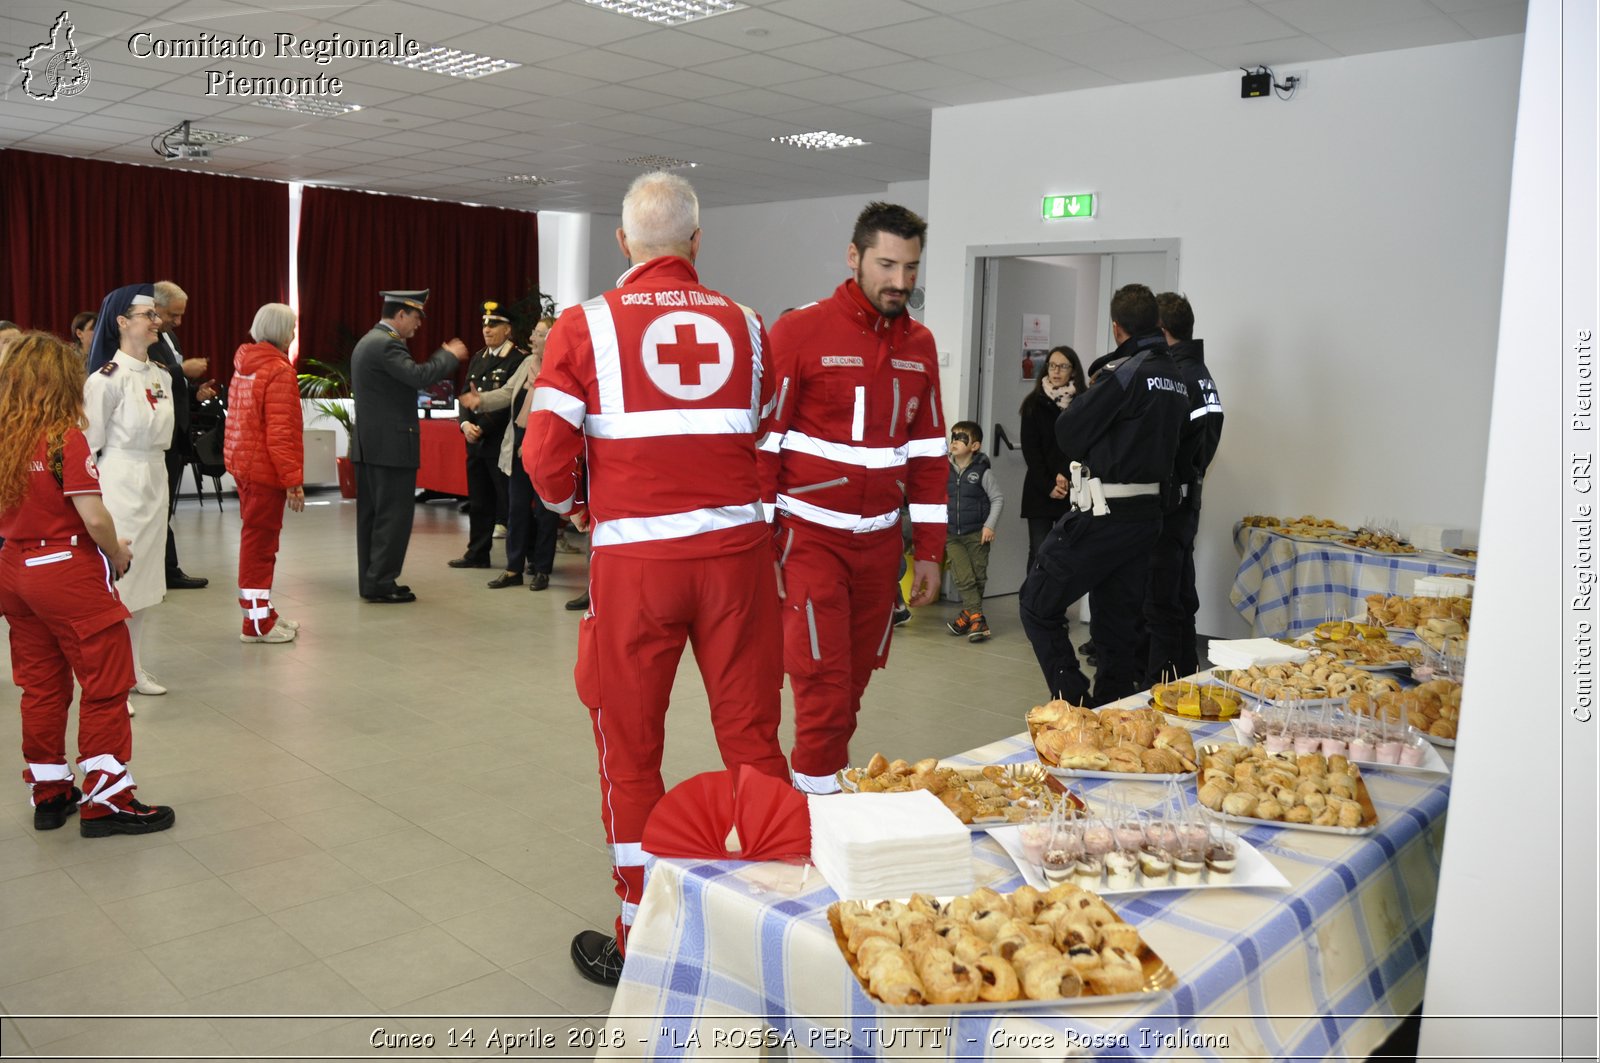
657	162
534	179
312	105
821	140
667	12
454	62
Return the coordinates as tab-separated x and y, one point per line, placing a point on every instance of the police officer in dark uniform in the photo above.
1171	600
1123	436
385	444
489	369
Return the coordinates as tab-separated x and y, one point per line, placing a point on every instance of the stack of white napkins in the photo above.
1243	653
1437	537
1442	587
871	846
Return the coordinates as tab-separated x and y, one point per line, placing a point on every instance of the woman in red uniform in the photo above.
60	556
264	453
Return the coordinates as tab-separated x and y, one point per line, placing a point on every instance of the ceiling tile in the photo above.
691	112
848	16
830	89
839	55
1110	45
1139	12
685	84
135	75
930	37
1496	21
913	75
477	91
1318	17
1243	25
1156	68
567	109
546	82
1067	79
968	92
427	24
638	124
1006	63
504	42
755	29
605	64
1272	53
759	70
676	48
580	23
625	98
1435	29
1035	21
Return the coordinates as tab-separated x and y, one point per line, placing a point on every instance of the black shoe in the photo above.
137	818
467	562
179	580
402	588
52	813
506	579
540	582
1088	651
397	596
902	614
597	957
580	602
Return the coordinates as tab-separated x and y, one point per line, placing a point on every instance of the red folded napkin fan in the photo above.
719	815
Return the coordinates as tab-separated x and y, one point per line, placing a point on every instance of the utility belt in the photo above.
1092	495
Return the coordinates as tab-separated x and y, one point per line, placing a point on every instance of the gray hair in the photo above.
274	324
167	293
660	212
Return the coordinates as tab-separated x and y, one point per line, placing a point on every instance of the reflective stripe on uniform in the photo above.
832	518
648	423
623	530
569	408
816	784
928	513
927	448
51	772
607	358
844	453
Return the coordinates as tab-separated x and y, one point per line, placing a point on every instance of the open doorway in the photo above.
1026	300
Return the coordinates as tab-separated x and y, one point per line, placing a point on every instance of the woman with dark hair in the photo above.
264	453
128	403
83	331
1044	497
56	570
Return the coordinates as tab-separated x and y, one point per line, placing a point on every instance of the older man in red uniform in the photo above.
659	387
855	432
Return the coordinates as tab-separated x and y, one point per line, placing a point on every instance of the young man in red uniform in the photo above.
855	431
60	556
655	390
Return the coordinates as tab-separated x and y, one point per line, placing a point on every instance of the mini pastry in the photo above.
1269	808
1119	972
945	979
1297	814
997	979
893	980
1238	804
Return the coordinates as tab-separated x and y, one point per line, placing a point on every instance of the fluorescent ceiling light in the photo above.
667	12
211	136
454	62
312	105
821	140
533	179
657	162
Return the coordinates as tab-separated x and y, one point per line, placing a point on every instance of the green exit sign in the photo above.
1079	206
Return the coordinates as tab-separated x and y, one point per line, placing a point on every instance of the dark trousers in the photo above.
177	462
1170	600
1038	531
486	497
385	505
1107	559
530	527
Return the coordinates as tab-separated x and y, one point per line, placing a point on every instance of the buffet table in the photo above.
737	954
1287	586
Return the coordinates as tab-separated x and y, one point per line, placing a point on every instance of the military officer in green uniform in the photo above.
489	369
385	444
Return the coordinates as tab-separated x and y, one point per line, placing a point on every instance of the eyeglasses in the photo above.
151	314
960	437
1063	366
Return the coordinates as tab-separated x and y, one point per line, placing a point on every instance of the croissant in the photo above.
893	980
997	979
1044	972
878	764
1123	758
945	979
1119	972
1083	756
1015	933
1238	804
866	925
1026	902
1161	761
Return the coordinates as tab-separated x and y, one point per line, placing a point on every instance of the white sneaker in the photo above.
499	531
131	713
148	686
292	625
279	633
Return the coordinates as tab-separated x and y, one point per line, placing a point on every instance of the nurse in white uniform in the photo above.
128	404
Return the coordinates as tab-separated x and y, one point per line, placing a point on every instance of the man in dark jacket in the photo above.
172	302
1171	600
385	445
1123	432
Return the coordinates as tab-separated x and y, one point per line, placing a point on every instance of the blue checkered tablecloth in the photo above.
725	954
1286	587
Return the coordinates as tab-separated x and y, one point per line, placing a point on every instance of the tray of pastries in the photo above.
1433	708
1074	742
1395	611
1306	791
988	951
1187	700
1380	542
981	797
1320	679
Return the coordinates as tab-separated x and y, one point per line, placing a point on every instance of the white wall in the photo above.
1519	648
773	256
1342	250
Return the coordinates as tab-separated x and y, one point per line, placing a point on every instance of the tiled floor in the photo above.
395	815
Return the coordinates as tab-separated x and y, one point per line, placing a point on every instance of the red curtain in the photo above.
354	245
74	229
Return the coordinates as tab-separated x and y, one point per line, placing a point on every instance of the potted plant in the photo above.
328	388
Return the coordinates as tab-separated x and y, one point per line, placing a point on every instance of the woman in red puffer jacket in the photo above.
264	453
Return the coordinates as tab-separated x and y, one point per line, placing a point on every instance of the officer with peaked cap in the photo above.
484	430
385	444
